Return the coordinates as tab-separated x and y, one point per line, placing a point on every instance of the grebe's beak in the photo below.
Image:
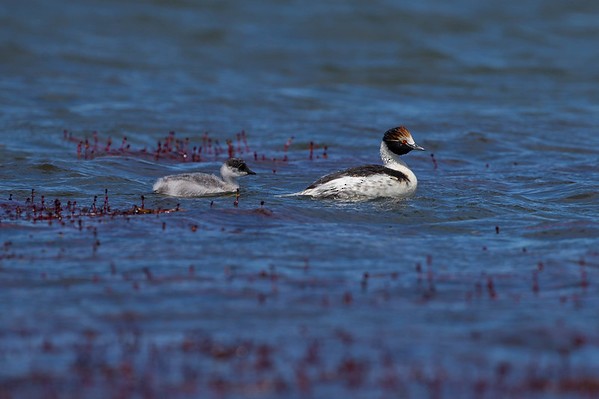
415	147
250	172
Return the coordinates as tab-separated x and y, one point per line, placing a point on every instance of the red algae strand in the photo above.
535	281
148	273
347	298
230	149
353	371
584	279
540	266
434	161
419	272
491	288
364	282
237	195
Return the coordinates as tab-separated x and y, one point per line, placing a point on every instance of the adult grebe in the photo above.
202	184
392	179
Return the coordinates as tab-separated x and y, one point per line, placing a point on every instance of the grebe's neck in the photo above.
228	177
390	159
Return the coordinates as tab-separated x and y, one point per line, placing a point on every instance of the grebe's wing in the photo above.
359	171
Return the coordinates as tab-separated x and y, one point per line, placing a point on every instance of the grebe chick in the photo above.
201	184
392	179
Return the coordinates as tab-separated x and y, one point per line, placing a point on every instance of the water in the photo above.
481	285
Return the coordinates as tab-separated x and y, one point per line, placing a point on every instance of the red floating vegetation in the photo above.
347	298
491	288
353	371
429	275
364	282
171	148
583	385
540	266
148	273
61	212
535	281
584	280
236	202
434	161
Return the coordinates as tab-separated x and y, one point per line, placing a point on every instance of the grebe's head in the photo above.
400	141
236	167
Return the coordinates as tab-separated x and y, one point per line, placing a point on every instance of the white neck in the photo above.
392	161
228	176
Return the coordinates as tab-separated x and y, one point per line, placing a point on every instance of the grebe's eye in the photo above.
405	142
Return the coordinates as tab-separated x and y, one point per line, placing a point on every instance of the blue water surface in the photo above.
482	284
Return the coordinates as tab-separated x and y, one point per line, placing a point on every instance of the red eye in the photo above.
405	141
